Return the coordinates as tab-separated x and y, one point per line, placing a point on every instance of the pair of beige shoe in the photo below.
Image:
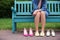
41	34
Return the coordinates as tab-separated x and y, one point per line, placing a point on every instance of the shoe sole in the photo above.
25	35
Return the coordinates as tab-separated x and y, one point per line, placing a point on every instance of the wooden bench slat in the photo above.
28	17
23	13
28	13
54	13
58	7
32	20
53	1
23	2
52	7
25	8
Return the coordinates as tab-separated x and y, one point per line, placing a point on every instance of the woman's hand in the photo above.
35	12
38	10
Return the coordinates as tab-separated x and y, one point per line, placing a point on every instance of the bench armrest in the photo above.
13	9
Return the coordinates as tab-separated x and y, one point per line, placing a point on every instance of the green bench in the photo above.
21	12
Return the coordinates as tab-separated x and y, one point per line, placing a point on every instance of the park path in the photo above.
8	35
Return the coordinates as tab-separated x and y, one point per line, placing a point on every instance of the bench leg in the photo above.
13	27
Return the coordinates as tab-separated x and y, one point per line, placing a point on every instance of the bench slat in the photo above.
23	13
23	2
32	20
53	1
21	7
54	13
31	2
58	7
25	8
55	7
52	7
32	17
29	13
31	7
18	7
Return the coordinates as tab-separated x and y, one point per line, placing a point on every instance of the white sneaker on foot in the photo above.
48	33
52	33
42	34
36	33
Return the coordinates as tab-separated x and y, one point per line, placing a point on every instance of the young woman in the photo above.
40	13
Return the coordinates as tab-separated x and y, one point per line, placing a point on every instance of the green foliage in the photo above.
5	8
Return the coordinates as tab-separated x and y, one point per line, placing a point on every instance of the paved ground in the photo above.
8	35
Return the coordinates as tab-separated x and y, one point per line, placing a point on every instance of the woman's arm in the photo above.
35	6
39	4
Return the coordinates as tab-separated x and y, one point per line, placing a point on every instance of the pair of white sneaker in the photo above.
28	34
48	33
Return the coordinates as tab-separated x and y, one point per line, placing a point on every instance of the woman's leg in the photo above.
43	20
36	20
43	23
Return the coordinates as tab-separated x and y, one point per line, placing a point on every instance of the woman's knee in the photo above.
42	12
38	13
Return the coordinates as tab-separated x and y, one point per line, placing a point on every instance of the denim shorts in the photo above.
46	13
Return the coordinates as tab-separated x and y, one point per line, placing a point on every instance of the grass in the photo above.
6	24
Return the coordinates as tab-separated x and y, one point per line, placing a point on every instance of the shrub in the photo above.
5	8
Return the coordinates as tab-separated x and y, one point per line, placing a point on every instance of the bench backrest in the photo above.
26	7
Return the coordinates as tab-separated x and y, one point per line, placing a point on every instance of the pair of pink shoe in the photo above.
26	33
